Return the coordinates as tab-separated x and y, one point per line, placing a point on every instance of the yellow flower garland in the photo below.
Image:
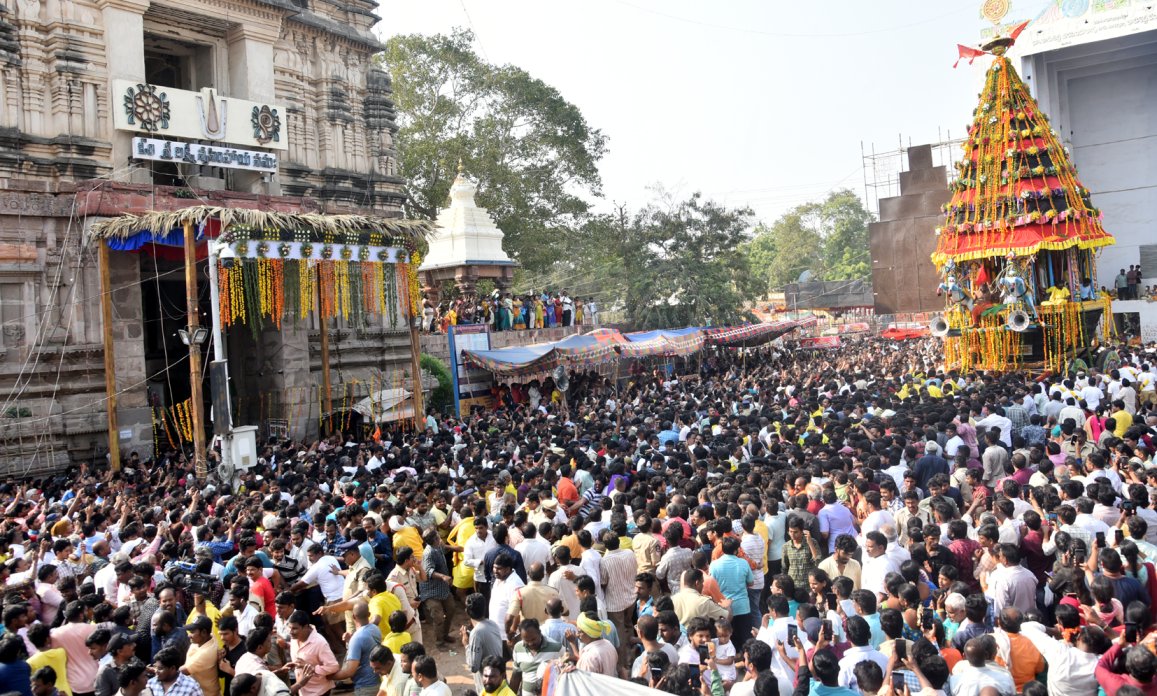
415	290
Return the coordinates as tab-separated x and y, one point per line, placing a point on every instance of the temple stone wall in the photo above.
63	166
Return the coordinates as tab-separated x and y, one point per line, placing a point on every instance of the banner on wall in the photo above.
820	342
472	384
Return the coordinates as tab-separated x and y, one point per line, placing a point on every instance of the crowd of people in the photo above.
1128	286
779	522
507	312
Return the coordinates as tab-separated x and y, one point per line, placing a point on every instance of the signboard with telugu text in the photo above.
210	155
1060	24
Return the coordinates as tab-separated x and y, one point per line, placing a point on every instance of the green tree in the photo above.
844	223
532	153
827	238
594	267
684	264
779	253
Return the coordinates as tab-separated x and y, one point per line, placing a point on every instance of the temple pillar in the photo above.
467	281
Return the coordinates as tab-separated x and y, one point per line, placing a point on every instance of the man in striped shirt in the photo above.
676	560
618	570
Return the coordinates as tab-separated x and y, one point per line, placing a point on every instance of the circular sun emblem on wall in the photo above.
266	124
146	107
994	10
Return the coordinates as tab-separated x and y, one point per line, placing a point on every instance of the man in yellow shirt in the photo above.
494	677
202	659
40	637
382	602
1121	418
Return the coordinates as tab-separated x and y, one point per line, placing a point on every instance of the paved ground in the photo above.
452	661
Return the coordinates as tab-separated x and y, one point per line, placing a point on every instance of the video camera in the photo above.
185	576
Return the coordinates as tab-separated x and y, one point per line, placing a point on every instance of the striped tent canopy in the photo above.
754	334
665	343
578	352
602	346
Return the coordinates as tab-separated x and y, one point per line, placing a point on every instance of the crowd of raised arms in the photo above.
764	523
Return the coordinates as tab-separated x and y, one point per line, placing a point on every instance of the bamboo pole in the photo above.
110	377
323	324
416	370
194	318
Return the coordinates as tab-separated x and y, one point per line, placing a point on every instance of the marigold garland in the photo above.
369	295
415	291
341	293
305	284
184	420
223	304
165	425
325	280
351	284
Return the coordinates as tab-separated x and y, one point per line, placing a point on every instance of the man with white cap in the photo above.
930	464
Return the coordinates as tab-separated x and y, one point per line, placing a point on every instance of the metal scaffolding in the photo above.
882	169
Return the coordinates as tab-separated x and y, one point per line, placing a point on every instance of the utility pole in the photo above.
222	422
195	397
110	375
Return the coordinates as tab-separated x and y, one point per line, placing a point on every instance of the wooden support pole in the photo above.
416	371
194	319
323	324
110	375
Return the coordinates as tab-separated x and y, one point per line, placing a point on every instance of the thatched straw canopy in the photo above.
163	222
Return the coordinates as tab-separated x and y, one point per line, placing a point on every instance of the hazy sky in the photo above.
753	102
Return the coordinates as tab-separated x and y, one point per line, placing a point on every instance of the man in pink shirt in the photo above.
311	657
81	668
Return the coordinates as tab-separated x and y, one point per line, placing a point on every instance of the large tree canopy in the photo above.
533	154
828	238
683	263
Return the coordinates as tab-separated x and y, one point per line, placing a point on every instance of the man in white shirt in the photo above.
1071	667
775	635
506	583
567	310
1092	396
325	572
860	635
897	472
245	611
1090	524
1072	411
563	579
110	578
1128	395
877	563
591	563
978	670
996	420
532	547
877	519
954	443
475	550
